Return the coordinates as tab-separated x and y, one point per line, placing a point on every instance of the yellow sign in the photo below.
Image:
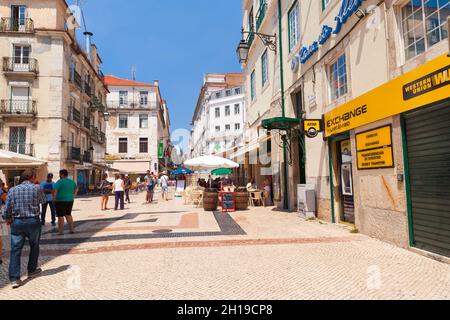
374	139
424	85
312	127
376	159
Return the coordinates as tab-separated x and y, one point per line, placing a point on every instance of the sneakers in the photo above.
35	273
16	284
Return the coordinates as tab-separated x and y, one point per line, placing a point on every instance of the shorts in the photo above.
63	208
165	189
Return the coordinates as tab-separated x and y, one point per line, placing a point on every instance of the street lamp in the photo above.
244	47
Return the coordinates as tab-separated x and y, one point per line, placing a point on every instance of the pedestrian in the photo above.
119	190
3	196
64	195
47	187
164	181
105	191
127	184
23	215
148	180
151	188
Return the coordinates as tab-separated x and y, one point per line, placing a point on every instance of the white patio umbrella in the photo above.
211	162
11	159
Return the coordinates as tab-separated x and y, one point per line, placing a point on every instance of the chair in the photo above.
256	197
187	196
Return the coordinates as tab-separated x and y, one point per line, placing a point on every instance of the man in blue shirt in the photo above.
22	212
48	186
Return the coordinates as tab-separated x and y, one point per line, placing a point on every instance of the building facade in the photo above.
219	117
138	130
51	90
377	73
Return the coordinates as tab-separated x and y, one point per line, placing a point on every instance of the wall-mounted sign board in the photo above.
312	127
374	149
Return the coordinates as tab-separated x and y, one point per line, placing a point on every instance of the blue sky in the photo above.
173	41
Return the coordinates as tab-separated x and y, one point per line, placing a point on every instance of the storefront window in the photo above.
424	23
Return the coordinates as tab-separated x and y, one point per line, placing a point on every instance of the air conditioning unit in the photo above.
306	201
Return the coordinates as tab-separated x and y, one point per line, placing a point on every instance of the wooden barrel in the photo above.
210	200
242	200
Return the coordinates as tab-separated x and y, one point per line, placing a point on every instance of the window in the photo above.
123	121
227	127
237	126
217	128
21	56
18	18
228	93
143	121
338	78
265	68
227	111
294	29
424	23
253	86
144	98
17	139
237	109
217	112
218	95
237	91
123	98
123	145
143	145
325	4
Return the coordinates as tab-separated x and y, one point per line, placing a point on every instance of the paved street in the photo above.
169	250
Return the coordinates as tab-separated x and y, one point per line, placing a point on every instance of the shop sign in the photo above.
374	149
376	159
161	150
374	139
348	7
424	85
312	127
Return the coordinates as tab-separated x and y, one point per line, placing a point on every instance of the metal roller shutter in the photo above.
428	145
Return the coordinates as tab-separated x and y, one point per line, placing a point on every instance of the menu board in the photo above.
228	202
181	185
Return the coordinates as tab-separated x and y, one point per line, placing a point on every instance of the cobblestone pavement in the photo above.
169	250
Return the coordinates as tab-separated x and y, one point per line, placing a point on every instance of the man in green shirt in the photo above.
64	194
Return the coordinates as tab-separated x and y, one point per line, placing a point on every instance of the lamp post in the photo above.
270	41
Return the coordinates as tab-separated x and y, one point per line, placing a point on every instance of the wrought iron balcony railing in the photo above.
74	115
21	148
87	157
74	154
16	25
101	137
260	15
87	122
18	107
87	89
94	133
76	79
20	65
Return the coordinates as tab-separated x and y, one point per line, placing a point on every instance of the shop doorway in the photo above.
344	207
426	141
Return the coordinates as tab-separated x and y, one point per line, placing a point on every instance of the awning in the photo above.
132	167
280	123
12	160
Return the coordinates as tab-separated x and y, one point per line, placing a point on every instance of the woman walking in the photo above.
119	192
104	192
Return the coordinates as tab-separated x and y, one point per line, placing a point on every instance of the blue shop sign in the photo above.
347	9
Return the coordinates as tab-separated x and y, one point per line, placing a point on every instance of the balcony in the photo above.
21	148
87	157
74	115
136	104
88	89
94	133
101	137
16	25
74	154
260	15
75	78
25	66
87	123
18	108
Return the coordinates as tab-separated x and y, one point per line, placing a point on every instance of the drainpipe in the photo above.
285	167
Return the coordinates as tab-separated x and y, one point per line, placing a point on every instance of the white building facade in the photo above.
138	128
219	119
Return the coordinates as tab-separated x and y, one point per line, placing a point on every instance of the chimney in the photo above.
156	83
88	43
